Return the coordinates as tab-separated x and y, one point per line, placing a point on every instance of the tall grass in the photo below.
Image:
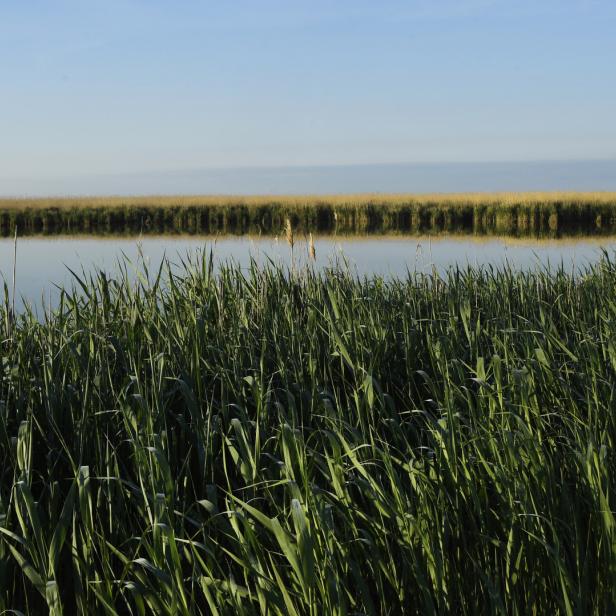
505	213
453	199
279	442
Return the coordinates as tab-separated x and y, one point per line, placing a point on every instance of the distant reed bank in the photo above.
543	214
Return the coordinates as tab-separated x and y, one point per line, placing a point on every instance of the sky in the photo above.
94	93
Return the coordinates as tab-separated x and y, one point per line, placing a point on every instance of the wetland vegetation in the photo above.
295	442
525	214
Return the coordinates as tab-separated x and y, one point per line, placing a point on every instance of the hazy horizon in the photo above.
588	175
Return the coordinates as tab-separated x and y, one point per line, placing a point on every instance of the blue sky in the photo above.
95	88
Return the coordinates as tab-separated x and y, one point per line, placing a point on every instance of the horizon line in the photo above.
309	166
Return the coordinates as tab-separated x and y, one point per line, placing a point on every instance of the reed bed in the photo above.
289	442
477	198
504	213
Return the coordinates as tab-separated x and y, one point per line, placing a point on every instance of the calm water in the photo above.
42	263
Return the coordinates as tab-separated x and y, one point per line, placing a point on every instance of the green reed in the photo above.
268	441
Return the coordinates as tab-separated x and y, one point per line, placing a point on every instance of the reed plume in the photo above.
288	229
312	253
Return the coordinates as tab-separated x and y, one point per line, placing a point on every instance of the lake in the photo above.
43	262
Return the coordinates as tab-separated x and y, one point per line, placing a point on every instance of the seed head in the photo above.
289	233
